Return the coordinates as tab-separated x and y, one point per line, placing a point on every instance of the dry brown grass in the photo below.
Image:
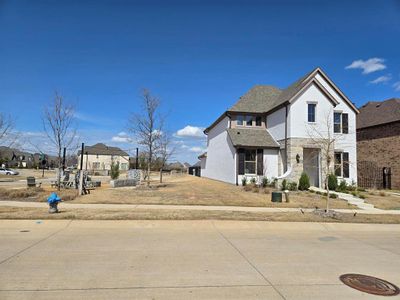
35	194
388	201
189	190
143	214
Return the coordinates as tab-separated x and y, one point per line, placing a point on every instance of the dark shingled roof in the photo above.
377	113
263	98
248	137
102	149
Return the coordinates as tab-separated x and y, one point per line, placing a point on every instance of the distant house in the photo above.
267	134
176	166
378	144
100	157
195	169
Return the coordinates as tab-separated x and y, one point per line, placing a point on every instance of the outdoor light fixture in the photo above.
298	158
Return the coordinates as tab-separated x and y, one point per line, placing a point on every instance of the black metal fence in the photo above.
371	175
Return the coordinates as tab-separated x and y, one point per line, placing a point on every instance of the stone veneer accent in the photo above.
296	146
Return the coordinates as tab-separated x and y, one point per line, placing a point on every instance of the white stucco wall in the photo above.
220	163
300	128
345	142
276	124
271	163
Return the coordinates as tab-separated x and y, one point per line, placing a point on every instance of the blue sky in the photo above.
199	57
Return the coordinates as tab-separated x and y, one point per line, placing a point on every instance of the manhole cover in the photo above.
369	284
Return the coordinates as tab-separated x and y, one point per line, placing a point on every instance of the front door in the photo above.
311	165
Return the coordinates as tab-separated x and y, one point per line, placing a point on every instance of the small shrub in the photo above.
318	193
342	186
292	186
264	182
361	189
114	171
273	182
325	194
284	185
383	194
311	191
247	188
253	181
244	181
304	182
333	196
354	194
362	197
332	182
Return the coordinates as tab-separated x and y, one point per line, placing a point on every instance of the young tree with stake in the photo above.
58	124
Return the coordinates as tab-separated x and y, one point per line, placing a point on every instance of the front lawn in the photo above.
190	190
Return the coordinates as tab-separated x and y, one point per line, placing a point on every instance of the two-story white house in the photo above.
280	133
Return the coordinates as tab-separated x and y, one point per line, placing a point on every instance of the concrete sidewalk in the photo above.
65	205
192	259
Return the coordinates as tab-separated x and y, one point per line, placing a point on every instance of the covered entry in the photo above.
311	165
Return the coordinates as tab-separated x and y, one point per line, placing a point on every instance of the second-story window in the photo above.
258	121
340	122
249	121
337	122
311	112
240	120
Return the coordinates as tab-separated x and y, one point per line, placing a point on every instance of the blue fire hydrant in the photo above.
53	201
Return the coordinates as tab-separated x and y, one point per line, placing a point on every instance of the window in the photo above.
240	120
96	165
340	122
249	121
258	121
311	112
250	161
342	164
338	164
337	122
124	166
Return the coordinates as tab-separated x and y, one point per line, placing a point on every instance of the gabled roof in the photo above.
259	99
377	113
102	149
265	98
247	137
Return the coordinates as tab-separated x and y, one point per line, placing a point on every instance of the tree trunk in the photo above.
161	175
327	194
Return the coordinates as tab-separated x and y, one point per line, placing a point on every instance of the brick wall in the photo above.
381	144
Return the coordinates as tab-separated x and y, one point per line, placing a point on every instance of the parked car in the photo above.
4	171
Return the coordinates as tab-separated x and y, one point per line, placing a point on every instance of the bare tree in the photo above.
58	123
165	151
147	127
6	128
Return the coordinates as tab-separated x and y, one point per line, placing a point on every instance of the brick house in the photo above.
378	141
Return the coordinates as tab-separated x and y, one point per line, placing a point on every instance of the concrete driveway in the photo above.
192	259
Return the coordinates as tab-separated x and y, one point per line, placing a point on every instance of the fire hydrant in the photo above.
53	201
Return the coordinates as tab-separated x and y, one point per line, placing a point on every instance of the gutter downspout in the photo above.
286	135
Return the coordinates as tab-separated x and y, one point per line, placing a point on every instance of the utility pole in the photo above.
81	172
63	160
137	158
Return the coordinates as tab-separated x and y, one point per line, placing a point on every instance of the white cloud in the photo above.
382	79
368	66
396	86
196	149
191	132
121	137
